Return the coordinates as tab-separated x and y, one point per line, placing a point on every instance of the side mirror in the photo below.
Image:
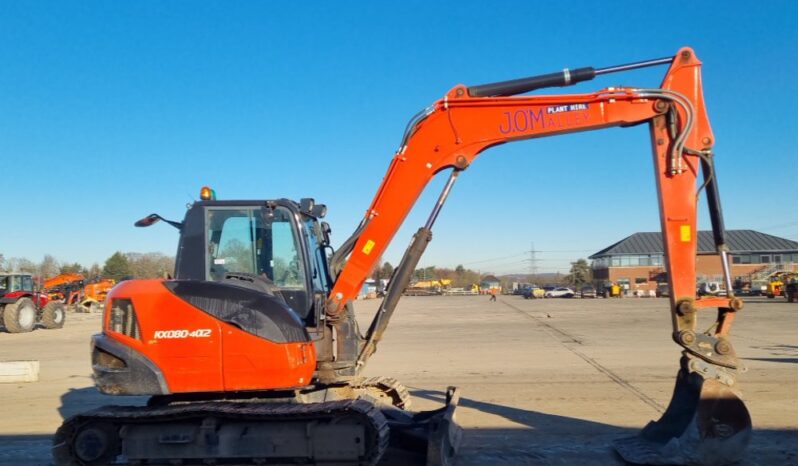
148	220
154	218
325	232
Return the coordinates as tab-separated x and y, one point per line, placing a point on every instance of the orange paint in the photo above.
220	357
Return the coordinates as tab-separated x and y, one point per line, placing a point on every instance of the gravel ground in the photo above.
544	382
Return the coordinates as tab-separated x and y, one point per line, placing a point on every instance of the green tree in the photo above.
383	272
150	265
71	268
464	278
387	270
426	273
117	267
580	273
238	258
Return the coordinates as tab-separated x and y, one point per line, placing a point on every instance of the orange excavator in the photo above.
252	354
74	290
65	287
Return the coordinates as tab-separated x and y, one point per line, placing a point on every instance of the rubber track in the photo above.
377	424
391	387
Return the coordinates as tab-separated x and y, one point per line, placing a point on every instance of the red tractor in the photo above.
21	308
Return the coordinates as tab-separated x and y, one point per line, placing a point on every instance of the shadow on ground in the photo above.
35	449
548	439
540	439
783	360
544	439
80	400
784	353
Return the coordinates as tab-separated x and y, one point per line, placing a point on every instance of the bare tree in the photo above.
23	265
48	267
95	271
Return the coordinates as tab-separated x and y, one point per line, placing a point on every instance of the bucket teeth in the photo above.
705	424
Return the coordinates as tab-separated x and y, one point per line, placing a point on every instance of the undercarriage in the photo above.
370	426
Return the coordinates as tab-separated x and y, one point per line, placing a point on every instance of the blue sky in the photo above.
112	110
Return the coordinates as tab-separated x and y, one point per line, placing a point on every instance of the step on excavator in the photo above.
252	354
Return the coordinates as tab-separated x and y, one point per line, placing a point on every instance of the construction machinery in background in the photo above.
758	283
611	290
66	287
783	283
791	286
76	292
96	291
428	287
777	282
22	307
253	355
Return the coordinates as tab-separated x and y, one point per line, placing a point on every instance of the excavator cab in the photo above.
276	246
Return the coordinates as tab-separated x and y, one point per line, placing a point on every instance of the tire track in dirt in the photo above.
569	341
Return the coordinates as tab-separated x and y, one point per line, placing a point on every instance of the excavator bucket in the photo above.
427	437
705	424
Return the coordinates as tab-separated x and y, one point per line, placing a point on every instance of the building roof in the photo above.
739	242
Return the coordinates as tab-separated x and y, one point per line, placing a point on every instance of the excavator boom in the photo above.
452	132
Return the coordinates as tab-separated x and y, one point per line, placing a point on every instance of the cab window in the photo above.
250	241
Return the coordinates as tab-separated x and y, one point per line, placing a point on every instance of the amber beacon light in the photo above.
207	194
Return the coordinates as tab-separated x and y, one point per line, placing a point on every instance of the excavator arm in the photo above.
706	420
452	132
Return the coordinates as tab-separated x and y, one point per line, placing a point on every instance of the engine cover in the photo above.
203	337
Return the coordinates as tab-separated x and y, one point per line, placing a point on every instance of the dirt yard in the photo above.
544	382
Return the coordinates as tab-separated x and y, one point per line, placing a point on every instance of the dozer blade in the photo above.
427	437
705	424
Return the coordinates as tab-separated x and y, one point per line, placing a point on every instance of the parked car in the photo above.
587	292
560	292
709	289
533	293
